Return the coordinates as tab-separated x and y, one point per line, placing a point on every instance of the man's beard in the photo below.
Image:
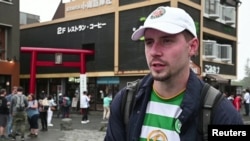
160	77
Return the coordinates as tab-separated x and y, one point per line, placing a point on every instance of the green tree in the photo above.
247	68
245	82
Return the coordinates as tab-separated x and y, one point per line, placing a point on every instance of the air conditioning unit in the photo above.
210	50
206	9
212	8
225	52
228	15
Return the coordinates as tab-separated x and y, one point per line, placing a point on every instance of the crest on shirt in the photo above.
156	135
177	126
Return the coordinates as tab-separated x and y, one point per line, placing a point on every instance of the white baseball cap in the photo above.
170	20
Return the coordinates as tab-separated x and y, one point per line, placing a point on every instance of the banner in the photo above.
83	85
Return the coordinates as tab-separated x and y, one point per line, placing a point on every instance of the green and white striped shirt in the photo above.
160	122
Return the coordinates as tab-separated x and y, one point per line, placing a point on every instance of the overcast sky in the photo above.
46	9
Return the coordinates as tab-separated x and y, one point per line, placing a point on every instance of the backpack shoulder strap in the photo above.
19	99
210	98
128	99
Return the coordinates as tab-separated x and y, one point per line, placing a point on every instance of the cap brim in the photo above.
164	27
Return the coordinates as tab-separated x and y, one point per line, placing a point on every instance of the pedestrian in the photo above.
106	106
4	112
89	103
18	106
66	103
43	106
50	111
168	101
33	115
9	123
246	101
231	98
84	105
60	106
237	102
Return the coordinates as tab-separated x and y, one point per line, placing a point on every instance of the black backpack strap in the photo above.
128	100
210	98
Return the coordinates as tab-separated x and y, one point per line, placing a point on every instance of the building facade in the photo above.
9	44
106	26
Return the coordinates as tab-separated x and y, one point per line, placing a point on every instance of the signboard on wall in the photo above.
88	7
83	85
218	68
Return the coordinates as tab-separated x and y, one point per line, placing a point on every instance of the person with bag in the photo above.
9	124
43	105
51	104
33	115
60	106
167	105
84	105
66	103
18	106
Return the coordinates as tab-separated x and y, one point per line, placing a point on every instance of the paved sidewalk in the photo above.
83	135
81	132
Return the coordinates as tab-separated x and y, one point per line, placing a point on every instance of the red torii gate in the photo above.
36	63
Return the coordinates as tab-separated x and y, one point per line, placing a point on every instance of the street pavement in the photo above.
80	132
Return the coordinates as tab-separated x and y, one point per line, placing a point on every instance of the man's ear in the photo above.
193	47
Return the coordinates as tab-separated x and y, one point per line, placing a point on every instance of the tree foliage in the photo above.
245	82
247	68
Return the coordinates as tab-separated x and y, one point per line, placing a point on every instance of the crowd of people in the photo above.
17	110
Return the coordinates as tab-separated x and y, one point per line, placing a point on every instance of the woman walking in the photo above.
84	106
106	106
33	115
43	108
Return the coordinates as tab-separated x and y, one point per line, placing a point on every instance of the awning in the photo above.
217	78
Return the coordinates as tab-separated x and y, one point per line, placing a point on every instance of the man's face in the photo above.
166	54
14	91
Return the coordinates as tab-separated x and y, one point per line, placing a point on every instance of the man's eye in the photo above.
148	42
167	40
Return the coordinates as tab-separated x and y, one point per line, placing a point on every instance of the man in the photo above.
168	101
9	123
246	99
18	106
